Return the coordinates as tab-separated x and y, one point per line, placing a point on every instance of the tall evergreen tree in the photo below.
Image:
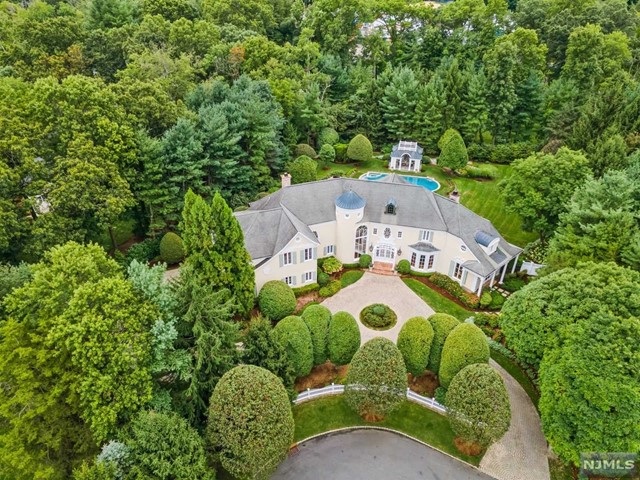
429	117
474	107
399	104
453	81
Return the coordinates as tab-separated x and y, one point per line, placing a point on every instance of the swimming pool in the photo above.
425	182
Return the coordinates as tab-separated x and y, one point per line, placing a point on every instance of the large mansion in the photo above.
391	220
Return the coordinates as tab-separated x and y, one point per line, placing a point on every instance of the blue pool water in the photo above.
428	183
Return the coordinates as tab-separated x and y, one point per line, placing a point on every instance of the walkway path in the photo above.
522	453
372	455
372	288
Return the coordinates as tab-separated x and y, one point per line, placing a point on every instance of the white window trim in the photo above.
310	249
426	268
399	233
288	280
287	259
426	235
310	275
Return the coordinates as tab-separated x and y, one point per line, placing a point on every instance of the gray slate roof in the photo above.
397	151
272	221
350	200
424	247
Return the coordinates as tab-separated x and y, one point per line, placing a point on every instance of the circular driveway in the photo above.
372	455
387	289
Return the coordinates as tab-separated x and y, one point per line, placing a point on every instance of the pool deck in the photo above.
376	176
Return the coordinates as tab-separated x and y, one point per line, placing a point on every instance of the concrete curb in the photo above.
385	429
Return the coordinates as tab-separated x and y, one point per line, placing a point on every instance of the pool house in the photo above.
406	157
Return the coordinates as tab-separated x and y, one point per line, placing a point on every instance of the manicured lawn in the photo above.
436	301
123	231
485	199
351	277
330	413
516	372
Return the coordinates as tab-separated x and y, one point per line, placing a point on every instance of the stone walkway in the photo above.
522	453
372	288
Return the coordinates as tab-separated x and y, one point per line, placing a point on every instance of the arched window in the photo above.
361	241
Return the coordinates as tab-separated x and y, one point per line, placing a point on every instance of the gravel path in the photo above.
372	288
522	453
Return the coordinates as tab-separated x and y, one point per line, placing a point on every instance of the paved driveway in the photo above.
372	288
372	455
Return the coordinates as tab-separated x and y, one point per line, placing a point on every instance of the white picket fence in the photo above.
333	389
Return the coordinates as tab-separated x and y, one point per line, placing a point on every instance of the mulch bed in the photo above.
321	376
302	300
424	384
468	448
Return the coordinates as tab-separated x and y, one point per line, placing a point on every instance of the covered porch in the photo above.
494	278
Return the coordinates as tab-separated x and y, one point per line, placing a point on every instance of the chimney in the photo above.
455	196
286	180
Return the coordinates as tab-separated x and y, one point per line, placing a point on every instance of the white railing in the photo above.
310	394
531	268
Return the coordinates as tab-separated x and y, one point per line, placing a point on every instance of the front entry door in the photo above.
385	253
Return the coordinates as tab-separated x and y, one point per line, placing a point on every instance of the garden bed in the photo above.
425	384
321	376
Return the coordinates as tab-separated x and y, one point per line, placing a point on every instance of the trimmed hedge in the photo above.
303	169
328	136
317	319
250	422
331	289
478	405
331	265
365	261
323	279
485	299
343	339
144	251
304	149
276	300
378	317
171	248
360	149
465	345
312	287
403	267
414	342
294	335
376	383
351	277
442	324
454	288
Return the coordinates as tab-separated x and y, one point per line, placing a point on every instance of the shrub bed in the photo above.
323	279
403	267
312	287
331	265
378	317
365	261
454	288
331	289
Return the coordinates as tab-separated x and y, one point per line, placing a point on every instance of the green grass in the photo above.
485	199
330	413
351	277
560	471
123	231
436	301
516	372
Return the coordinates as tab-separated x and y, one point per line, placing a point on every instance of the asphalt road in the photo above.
372	455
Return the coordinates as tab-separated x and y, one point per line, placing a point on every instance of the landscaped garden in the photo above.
378	317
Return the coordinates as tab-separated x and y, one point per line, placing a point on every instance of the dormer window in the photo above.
390	208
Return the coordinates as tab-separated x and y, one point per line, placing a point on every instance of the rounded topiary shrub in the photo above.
330	289
276	300
376	383
485	299
465	345
323	279
343	339
171	248
414	342
378	317
303	169
250	422
364	261
304	149
442	324
328	136
478	405
403	267
360	149
331	265
317	319
293	334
